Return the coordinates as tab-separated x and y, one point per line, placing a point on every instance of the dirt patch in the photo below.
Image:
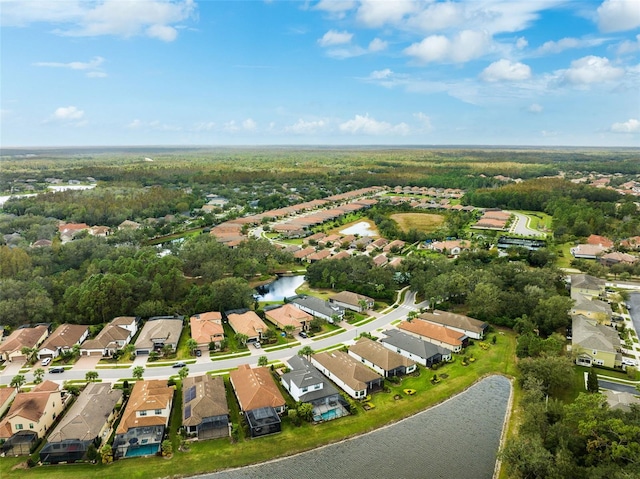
423	222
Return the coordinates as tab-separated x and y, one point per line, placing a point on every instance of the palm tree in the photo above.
263	361
17	381
38	375
306	351
91	376
289	329
192	344
242	338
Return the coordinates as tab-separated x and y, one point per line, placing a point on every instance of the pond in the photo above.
362	228
458	438
283	287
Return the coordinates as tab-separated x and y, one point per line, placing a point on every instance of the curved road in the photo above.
519	226
204	364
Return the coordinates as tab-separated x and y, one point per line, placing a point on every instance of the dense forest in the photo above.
88	281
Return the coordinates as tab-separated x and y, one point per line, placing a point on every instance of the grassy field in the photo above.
212	455
424	222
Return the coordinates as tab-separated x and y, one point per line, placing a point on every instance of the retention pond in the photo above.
456	439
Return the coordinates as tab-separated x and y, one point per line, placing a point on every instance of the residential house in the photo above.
618	400
587	285
587	251
414	348
351	376
206	328
318	308
113	337
451	247
100	231
380	260
205	412
303	253
594	343
159	332
436	334
88	422
329	240
609	259
632	243
591	308
68	231
6	396
343	254
382	360
30	416
143	422
249	324
259	398
29	337
473	328
288	315
306	384
129	225
354	301
318	255
395	245
377	244
63	339
600	240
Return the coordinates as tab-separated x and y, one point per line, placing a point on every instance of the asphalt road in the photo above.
634	310
617	387
519	226
204	364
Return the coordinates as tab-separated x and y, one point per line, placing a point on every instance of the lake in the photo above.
458	438
362	228
283	287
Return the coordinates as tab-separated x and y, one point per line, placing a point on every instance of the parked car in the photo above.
257	345
46	361
56	370
179	364
302	334
629	362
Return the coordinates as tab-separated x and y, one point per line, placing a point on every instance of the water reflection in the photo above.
363	229
283	287
456	439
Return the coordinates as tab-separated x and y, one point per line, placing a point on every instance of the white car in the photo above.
46	361
629	362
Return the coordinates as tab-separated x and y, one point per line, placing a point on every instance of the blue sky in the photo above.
186	72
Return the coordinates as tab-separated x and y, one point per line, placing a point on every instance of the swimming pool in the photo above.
142	450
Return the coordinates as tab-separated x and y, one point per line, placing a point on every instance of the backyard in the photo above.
221	453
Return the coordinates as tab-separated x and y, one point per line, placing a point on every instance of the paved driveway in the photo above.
12	369
87	363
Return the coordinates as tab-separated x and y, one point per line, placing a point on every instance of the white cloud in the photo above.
380	74
67	113
334	37
521	43
629	46
568	43
535	108
463	47
92	67
592	69
335	9
156	125
504	70
231	126
377	45
369	126
135	124
375	13
349	51
423	119
162	32
630	126
153	18
249	124
204	126
302	127
618	15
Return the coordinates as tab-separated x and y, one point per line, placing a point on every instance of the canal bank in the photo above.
459	437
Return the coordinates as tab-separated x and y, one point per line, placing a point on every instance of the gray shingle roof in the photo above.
413	345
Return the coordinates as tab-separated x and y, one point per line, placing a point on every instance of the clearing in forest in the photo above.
423	222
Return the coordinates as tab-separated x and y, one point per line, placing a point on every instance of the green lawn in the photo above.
218	454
